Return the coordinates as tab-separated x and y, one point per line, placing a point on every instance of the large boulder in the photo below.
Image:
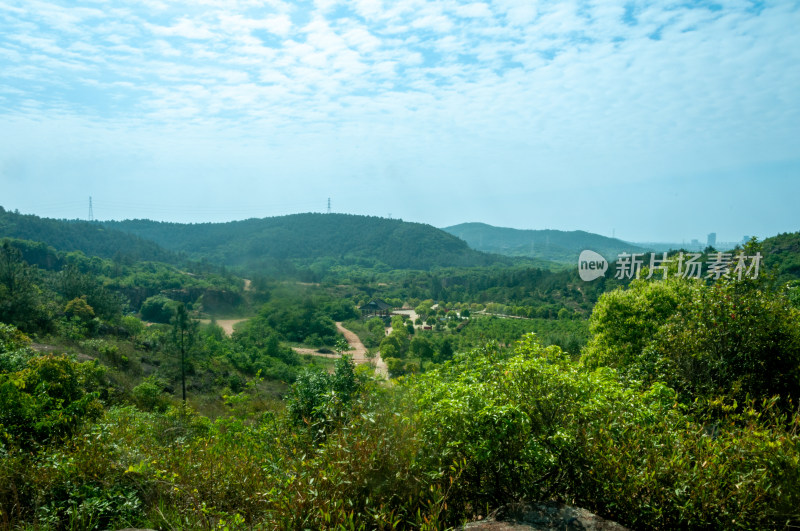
543	516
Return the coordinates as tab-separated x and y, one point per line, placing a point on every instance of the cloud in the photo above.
473	10
186	28
562	91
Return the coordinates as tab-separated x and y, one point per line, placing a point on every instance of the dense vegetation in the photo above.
278	244
782	255
93	239
673	406
551	245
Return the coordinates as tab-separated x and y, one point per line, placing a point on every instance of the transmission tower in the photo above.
329	205
91	212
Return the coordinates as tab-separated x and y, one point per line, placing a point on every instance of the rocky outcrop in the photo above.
543	516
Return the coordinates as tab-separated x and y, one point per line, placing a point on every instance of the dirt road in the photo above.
225	324
357	350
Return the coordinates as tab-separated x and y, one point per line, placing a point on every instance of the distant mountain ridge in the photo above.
553	245
306	238
91	238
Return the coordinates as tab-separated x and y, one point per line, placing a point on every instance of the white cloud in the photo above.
473	10
561	89
185	27
518	12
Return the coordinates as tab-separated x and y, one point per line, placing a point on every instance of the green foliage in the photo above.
370	332
20	301
132	326
421	347
318	241
321	401
553	245
90	238
488	427
536	425
571	335
158	309
73	285
256	347
732	338
78	307
15	350
782	256
395	366
624	322
48	399
396	344
149	395
648	464
299	317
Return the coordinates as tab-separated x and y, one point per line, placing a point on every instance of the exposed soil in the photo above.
225	324
357	350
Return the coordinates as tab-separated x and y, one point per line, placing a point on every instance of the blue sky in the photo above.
659	121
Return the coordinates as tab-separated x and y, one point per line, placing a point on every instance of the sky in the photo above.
649	121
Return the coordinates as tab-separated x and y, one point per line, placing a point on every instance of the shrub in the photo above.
149	395
733	338
48	399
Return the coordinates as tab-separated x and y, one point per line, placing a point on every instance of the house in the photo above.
375	308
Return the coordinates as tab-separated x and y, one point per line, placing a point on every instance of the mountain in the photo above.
92	238
554	245
782	255
327	239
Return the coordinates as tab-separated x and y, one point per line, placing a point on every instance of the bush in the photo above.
149	395
15	350
733	338
48	399
158	309
536	426
320	401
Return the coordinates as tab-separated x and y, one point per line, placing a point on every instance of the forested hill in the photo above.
92	238
782	255
554	245
313	238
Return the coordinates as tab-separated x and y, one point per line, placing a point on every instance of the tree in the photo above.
78	307
733	338
421	348
158	309
18	294
395	343
445	351
184	331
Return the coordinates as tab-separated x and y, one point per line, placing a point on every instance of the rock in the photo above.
543	516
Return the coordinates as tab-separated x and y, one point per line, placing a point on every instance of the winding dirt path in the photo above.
357	350
226	324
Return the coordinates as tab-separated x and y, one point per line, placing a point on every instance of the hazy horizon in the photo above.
650	122
687	241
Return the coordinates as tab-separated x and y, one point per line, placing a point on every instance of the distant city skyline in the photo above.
652	122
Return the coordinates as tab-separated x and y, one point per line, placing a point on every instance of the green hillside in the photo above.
782	255
92	238
309	238
553	245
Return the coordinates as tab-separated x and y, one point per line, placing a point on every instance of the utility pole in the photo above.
91	213
329	205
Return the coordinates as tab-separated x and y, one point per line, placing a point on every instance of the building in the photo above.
375	308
